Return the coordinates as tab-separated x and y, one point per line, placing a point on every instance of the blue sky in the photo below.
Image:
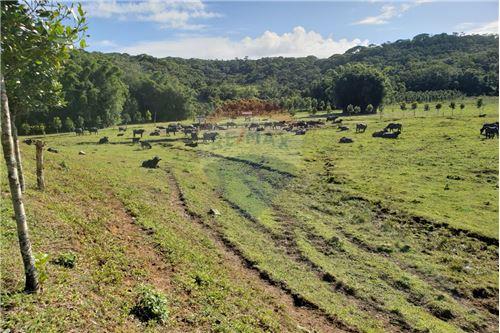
226	30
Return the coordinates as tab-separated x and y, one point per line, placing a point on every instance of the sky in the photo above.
238	29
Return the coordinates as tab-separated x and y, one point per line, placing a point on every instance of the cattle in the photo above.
120	134
361	128
194	136
391	135
260	129
331	118
253	126
301	131
103	140
135	140
122	129
345	140
171	129
138	132
152	163
337	121
210	136
52	150
28	141
155	133
160	127
394	126
231	124
79	131
343	128
145	145
93	130
489	130
378	134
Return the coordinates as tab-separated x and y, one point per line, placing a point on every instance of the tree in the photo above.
350	109
479	105
462	106
357	109
80	122
414	107
357	84
69	125
35	39
369	108
438	107
452	106
381	108
26	128
138	117
98	122
148	118
57	124
126	118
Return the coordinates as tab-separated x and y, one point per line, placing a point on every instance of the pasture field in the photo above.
374	236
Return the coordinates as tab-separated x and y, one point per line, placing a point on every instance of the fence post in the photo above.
39	165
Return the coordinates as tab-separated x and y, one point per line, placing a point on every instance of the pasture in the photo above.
377	235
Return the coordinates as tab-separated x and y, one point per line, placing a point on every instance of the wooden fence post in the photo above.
39	165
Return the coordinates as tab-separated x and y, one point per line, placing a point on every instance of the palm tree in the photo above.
479	105
414	107
452	107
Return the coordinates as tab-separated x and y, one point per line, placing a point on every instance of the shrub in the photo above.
151	305
41	260
67	260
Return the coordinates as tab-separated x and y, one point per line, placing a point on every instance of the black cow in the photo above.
138	132
394	126
379	134
155	133
390	135
145	145
122	129
53	150
489	130
120	134
361	128
93	130
210	136
28	141
171	129
343	128
79	131
345	140
103	140
135	140
152	163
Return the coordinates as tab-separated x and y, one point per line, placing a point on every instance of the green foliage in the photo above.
350	109
357	84
57	124
67	260
369	108
80	122
357	109
41	261
151	305
69	125
148	116
25	129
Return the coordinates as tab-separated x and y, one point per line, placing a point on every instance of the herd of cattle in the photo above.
209	132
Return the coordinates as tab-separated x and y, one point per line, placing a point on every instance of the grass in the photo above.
376	236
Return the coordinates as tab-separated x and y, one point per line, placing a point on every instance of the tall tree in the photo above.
36	36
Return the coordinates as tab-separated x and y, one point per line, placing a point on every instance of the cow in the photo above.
345	140
135	140
337	121
138	132
145	145
120	134
93	130
331	118
171	129
28	141
152	163
390	135
343	128
52	150
253	126
155	133
122	129
103	140
361	128
488	129
378	134
301	131
79	131
394	126
194	136
210	136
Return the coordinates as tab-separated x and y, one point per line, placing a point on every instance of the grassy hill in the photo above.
374	236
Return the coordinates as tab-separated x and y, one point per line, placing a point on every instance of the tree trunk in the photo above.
17	197
17	151
39	165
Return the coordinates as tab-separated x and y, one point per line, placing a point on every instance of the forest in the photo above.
107	89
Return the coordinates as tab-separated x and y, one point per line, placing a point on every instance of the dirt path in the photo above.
307	319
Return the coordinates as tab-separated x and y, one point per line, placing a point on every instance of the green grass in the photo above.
378	235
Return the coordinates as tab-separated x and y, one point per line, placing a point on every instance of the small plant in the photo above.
67	260
41	260
151	305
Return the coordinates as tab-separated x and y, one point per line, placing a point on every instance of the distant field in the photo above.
373	236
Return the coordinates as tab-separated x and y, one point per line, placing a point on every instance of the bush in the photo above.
41	260
67	260
151	305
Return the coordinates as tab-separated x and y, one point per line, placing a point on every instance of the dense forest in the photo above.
107	89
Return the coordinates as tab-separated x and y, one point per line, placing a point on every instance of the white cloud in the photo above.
104	43
175	14
298	43
387	12
479	28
